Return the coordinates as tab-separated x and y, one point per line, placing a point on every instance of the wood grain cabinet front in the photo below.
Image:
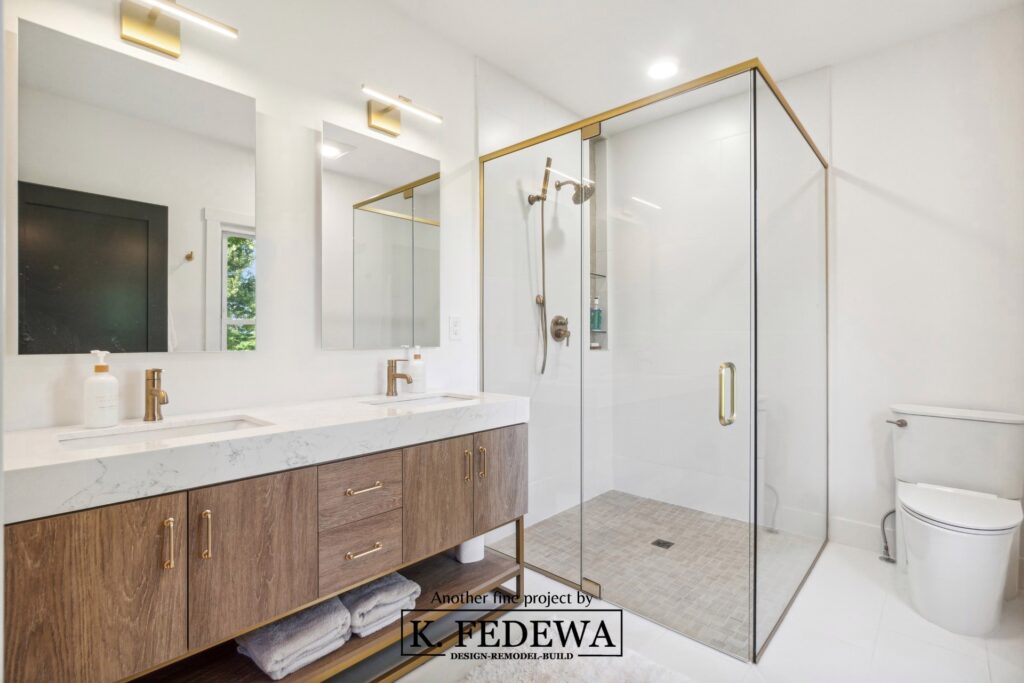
358	488
438	496
501	487
252	553
96	595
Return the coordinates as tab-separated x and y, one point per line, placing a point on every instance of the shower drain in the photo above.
662	543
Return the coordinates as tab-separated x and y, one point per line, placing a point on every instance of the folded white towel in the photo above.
367	604
291	643
383	615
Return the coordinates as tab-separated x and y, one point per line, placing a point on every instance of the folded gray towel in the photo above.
382	615
291	643
367	604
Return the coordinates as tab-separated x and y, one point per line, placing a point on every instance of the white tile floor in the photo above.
851	622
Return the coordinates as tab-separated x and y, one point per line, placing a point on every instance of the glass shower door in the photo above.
667	370
531	295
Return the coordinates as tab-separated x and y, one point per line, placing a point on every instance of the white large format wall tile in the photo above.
928	246
296	89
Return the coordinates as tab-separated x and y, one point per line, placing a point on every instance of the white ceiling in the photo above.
591	55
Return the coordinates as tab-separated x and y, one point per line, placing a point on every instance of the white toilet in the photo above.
959	482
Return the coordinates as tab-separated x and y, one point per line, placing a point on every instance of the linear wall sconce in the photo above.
384	112
156	24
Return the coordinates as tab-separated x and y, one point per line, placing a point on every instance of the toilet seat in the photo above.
960	510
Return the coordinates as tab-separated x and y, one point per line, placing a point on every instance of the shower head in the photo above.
580	194
534	198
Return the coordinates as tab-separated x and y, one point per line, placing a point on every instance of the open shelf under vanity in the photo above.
441	574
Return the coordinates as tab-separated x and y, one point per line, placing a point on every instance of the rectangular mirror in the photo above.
136	204
380	244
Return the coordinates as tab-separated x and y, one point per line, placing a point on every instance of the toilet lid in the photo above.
962	509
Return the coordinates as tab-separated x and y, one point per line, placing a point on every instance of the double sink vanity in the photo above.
157	543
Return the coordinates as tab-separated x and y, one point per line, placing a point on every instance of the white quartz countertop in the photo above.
43	476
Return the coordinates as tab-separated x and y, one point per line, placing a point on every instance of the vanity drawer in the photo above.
360	550
362	487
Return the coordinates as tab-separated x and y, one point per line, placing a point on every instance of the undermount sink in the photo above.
140	433
416	401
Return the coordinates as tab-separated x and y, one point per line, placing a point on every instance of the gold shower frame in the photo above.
591	127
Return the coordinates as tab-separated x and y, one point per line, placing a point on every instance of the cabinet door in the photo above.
437	496
94	595
500	473
252	553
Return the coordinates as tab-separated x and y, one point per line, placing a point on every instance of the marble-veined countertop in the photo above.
44	477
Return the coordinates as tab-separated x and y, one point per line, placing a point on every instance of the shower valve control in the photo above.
560	329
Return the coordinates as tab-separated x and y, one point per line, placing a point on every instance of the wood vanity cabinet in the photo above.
96	595
252	552
500	477
459	488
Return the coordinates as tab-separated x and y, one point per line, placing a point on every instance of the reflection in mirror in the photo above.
380	244
136	228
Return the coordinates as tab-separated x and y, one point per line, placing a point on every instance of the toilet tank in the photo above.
969	449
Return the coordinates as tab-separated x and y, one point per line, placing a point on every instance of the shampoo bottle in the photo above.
418	372
101	395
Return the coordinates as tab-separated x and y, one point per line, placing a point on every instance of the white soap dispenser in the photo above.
418	372
101	395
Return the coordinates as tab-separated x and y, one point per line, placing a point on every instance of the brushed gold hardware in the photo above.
190	256
590	586
401	188
383	117
899	423
155	396
150	28
355	556
469	466
208	516
394	375
560	329
591	131
726	419
407	194
401	216
483	462
169	525
376	485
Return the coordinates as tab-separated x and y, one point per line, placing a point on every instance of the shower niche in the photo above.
678	450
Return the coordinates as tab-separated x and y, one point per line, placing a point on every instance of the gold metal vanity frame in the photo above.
591	127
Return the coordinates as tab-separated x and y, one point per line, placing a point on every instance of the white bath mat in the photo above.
629	668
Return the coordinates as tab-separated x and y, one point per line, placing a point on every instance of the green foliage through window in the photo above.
240	291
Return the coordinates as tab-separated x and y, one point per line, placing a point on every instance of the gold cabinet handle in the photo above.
208	516
169	526
355	556
726	419
483	462
376	485
469	466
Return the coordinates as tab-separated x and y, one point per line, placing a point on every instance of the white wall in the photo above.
69	144
296	89
928	246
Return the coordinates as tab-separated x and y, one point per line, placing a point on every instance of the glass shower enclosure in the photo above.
654	278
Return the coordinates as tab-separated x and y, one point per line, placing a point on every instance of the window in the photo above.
238	287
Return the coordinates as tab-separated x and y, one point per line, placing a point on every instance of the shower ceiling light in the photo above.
646	203
334	150
663	68
178	12
403	104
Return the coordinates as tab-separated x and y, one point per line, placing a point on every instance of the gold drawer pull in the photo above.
469	466
483	462
376	485
355	556
169	526
208	516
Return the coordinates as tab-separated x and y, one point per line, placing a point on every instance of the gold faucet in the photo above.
393	375
155	396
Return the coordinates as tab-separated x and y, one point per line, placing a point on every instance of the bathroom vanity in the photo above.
156	545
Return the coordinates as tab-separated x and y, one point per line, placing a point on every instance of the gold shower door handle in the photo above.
169	526
208	516
483	462
726	419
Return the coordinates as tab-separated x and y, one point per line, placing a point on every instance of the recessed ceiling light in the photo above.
663	68
334	150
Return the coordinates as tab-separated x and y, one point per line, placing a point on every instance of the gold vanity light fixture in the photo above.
384	112
156	24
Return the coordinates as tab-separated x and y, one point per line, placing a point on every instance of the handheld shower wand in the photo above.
541	299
